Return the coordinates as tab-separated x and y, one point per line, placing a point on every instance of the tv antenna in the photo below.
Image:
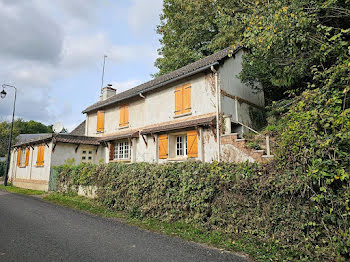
103	71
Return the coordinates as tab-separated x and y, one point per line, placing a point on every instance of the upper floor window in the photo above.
40	155
100	121
124	116
183	99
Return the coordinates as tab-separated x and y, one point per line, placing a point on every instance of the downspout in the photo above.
217	89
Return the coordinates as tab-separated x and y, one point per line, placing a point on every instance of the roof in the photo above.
22	138
121	135
191	69
63	138
204	120
79	130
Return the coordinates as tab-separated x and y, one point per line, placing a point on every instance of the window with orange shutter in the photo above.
183	99
100	121
124	116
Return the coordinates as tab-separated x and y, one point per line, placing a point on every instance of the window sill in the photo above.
123	127
177	159
182	115
100	132
22	166
39	166
120	161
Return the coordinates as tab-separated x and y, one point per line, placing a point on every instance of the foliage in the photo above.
2	168
20	127
241	200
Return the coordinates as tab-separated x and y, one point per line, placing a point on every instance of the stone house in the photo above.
171	118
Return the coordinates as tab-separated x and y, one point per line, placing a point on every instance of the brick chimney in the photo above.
108	92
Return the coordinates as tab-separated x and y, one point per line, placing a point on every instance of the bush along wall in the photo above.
243	200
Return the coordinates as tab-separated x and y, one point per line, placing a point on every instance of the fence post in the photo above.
268	150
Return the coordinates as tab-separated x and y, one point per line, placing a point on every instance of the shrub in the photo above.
237	199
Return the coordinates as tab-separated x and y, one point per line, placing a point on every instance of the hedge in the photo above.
2	168
237	199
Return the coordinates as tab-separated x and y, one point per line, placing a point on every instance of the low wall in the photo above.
31	184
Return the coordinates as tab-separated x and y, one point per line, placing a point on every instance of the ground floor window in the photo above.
181	145
121	150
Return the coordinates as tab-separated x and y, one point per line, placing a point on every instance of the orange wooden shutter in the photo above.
40	156
178	100
27	156
163	146
187	99
100	121
124	115
192	144
19	157
111	152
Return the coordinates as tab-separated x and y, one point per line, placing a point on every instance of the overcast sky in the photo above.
52	51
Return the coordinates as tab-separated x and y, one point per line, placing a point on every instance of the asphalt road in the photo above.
34	230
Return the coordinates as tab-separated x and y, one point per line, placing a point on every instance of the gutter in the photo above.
155	86
218	98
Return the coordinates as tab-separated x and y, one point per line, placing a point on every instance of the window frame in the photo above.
182	144
122	151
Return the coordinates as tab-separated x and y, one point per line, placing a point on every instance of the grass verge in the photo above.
21	191
259	250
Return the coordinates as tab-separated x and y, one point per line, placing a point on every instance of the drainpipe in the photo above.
217	89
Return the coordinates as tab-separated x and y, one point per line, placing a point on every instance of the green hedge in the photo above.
238	199
2	168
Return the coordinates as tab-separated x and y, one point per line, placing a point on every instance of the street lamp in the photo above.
3	95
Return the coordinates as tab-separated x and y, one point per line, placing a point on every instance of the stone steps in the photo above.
241	144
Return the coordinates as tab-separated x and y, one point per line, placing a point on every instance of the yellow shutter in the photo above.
192	144
187	99
124	115
19	157
178	100
40	156
163	146
27	156
100	121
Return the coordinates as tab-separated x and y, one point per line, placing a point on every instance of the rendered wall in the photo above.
32	176
230	83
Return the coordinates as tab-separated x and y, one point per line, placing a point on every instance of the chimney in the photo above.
107	92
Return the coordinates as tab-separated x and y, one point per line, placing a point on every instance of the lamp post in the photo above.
3	95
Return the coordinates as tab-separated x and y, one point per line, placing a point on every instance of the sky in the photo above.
52	51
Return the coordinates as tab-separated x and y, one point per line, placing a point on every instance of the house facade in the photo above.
194	113
174	117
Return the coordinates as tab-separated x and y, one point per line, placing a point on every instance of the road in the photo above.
34	230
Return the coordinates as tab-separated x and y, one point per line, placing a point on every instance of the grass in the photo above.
21	191
261	251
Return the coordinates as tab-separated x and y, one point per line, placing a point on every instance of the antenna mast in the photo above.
103	71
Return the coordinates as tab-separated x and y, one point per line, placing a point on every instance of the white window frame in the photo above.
121	150
181	145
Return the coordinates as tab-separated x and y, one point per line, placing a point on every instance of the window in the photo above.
22	157
183	99
100	121
181	146
120	151
40	155
124	116
86	155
